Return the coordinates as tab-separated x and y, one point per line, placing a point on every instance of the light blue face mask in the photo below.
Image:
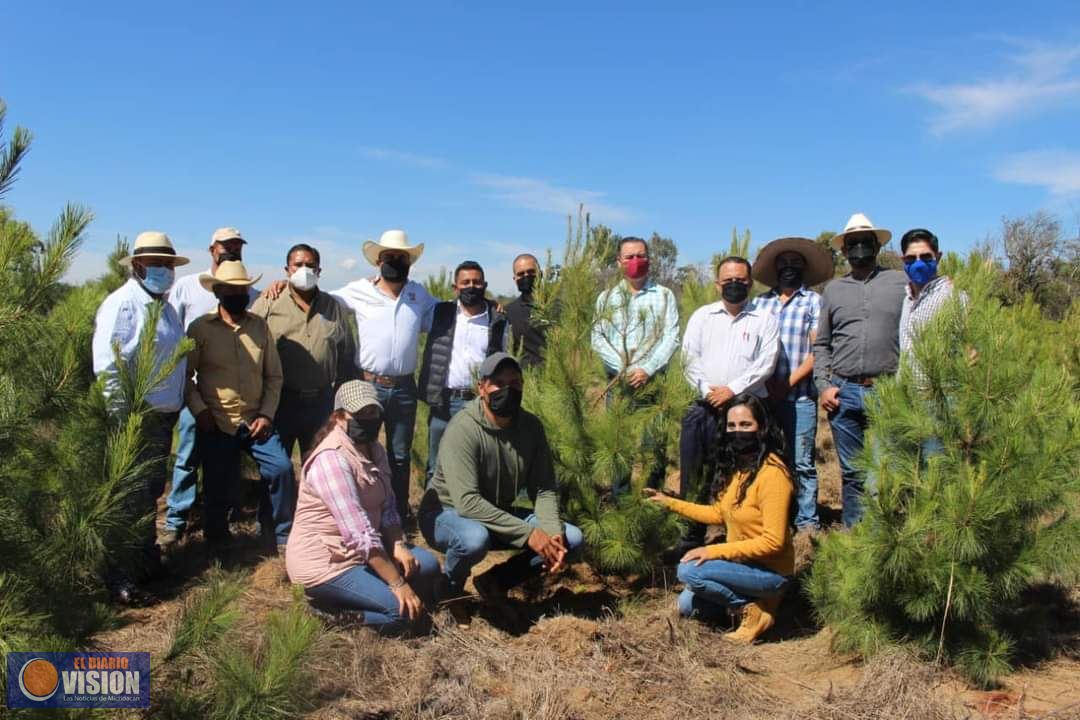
158	280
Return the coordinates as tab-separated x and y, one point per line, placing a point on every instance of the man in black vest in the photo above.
463	333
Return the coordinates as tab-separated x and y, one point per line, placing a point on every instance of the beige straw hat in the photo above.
154	245
859	223
230	272
819	264
392	240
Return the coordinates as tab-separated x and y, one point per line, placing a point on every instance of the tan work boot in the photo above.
757	617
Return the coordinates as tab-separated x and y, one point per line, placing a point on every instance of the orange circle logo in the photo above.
38	679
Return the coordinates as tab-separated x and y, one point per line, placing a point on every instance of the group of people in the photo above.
268	372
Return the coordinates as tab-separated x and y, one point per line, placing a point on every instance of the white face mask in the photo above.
304	279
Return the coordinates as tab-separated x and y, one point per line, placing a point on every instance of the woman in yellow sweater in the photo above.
749	571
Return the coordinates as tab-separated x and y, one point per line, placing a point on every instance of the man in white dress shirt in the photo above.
729	347
391	311
463	333
118	329
191	301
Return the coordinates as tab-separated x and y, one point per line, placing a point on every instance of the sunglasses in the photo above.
925	257
524	273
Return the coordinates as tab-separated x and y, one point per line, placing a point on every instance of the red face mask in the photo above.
637	268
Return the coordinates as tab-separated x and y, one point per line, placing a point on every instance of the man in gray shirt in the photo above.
858	339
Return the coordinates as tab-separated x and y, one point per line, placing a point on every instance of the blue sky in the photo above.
477	127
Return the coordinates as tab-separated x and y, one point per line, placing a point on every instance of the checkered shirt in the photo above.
916	312
797	319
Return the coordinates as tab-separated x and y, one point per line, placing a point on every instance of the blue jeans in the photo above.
185	476
465	543
221	478
438	419
716	586
848	423
799	420
399	416
361	588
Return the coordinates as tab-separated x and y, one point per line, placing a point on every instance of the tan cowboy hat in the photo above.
392	240
819	264
859	223
154	245
230	272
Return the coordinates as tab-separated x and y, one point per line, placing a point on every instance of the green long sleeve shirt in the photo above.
483	467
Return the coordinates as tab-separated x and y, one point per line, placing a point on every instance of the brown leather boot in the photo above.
758	617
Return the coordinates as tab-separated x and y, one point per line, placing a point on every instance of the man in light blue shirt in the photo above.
118	329
191	301
635	333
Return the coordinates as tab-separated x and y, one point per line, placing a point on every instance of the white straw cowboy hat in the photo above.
154	245
230	272
392	240
859	223
819	264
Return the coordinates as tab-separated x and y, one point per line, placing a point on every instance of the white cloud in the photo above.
1057	171
349	263
404	158
541	195
1036	77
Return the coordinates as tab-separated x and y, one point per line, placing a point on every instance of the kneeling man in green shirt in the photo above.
490	452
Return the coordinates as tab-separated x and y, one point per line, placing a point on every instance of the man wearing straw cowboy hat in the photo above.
857	340
233	388
118	328
789	266
391	311
191	300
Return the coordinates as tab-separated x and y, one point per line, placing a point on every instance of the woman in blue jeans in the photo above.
750	570
346	547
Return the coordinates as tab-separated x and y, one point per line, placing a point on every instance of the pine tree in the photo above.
950	543
69	464
593	441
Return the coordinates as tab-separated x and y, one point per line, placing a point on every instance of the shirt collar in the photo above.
775	292
625	285
750	308
936	284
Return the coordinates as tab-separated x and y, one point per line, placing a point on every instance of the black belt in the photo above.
460	393
386	380
864	380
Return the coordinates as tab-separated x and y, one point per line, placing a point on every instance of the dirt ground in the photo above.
589	647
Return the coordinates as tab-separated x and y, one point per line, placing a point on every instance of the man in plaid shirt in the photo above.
788	266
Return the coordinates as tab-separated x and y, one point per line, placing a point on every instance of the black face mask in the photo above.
505	402
363	431
396	270
226	257
861	255
471	296
526	284
735	292
790	276
743	442
234	304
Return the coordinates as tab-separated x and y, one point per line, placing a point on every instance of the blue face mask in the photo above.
158	280
921	272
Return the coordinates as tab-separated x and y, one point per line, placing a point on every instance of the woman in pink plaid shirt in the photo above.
346	547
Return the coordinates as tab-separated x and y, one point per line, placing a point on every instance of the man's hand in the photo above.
552	550
637	377
697	556
718	396
406	561
261	428
830	398
274	289
654	495
204	421
409	605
